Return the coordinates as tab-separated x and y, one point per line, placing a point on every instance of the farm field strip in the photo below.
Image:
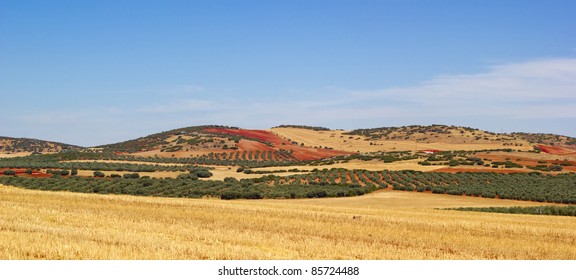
57	225
339	140
127	162
321	183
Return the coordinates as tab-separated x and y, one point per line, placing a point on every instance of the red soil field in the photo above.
261	135
555	150
305	153
17	170
40	175
299	152
249	145
22	172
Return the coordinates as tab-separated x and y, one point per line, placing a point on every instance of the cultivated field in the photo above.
339	140
382	225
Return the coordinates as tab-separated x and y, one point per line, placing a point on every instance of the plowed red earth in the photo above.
299	152
22	172
555	150
249	145
17	170
261	135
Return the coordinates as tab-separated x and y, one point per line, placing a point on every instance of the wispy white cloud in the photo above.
539	89
519	90
512	97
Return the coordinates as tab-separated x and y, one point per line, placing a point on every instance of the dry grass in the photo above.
389	225
127	162
372	165
12	155
355	143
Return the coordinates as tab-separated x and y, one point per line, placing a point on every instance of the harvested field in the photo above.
383	225
11	155
391	199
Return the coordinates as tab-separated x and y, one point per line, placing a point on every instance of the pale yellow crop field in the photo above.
382	225
337	140
12	155
371	165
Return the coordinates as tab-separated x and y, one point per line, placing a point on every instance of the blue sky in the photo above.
97	72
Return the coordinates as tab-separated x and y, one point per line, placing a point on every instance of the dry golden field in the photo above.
336	139
11	155
371	165
382	225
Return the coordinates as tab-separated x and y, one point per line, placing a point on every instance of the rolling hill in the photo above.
9	145
221	142
303	143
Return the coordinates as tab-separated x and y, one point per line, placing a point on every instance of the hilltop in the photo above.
421	138
9	145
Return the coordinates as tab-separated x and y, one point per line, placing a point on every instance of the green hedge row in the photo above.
536	210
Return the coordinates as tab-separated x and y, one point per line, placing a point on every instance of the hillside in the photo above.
406	138
439	133
547	139
221	143
297	143
9	145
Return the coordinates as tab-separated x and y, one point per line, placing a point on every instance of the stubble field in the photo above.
381	225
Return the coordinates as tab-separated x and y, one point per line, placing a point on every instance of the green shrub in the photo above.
230	180
203	174
9	172
185	176
131	176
